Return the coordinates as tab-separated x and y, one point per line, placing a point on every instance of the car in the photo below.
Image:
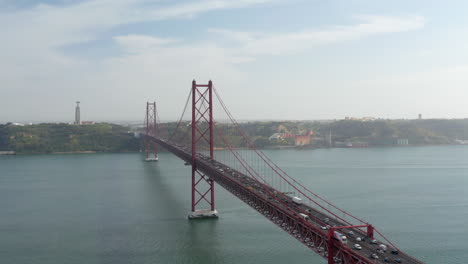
357	246
358	239
373	241
351	233
395	251
383	247
387	260
398	260
344	239
374	256
323	227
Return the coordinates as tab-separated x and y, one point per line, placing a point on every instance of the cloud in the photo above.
248	45
54	26
140	43
286	43
192	9
34	63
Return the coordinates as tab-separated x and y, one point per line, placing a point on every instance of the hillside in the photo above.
105	137
50	138
341	132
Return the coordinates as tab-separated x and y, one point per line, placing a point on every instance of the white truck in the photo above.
340	237
297	200
304	216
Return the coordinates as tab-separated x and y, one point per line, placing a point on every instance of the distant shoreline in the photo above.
69	152
75	152
264	148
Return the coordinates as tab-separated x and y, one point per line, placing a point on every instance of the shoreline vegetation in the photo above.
66	138
62	138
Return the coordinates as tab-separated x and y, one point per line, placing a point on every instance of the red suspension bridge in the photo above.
250	175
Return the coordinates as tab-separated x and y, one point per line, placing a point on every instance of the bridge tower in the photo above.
202	135
151	130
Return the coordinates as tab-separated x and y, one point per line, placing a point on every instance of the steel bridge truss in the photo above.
151	148
306	233
206	171
202	135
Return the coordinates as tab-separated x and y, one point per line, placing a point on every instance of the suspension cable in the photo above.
181	116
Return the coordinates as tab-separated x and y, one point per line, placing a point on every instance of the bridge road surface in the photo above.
367	247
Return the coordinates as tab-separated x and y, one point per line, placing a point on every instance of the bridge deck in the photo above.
279	208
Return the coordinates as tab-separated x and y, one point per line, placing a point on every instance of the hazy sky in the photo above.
269	59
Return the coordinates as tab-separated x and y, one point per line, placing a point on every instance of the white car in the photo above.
383	247
357	246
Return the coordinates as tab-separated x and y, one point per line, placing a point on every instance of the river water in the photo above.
115	208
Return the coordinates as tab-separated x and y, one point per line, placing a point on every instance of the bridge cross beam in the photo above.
202	116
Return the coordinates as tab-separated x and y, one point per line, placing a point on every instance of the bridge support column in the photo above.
330	246
370	231
151	130
202	134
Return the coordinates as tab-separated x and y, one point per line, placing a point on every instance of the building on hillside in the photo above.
363	119
302	140
276	136
299	140
16	124
88	122
357	144
402	141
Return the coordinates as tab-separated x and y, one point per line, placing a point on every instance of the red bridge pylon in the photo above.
151	130
202	136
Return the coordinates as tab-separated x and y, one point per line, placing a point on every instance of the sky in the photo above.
269	59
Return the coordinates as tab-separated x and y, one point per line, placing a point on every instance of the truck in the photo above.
297	200
304	216
340	237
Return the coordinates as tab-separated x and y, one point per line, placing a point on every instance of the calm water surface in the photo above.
114	208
